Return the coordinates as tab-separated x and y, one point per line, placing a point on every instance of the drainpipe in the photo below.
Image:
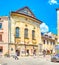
9	32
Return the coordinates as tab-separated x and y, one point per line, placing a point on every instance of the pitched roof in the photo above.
13	13
27	11
57	8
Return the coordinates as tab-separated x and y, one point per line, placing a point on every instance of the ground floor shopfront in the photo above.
20	49
23	49
49	48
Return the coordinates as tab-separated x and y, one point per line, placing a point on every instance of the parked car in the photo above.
55	58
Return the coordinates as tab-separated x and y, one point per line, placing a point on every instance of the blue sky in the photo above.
44	10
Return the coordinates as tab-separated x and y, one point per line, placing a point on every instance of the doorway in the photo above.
18	52
1	49
28	52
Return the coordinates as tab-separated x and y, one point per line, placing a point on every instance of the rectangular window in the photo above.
44	41
0	37
0	25
47	42
53	43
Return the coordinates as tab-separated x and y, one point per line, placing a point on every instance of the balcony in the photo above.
34	41
26	40
17	39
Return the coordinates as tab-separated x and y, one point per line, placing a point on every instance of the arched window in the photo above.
26	33
33	34
17	32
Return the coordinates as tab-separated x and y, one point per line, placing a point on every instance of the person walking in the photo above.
44	53
34	53
16	58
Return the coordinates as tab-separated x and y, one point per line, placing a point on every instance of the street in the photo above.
28	61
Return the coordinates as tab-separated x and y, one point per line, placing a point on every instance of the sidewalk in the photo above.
47	57
30	60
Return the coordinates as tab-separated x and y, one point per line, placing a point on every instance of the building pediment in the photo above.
25	11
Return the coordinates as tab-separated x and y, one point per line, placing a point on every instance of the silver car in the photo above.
55	58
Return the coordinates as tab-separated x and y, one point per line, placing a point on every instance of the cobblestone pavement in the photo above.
35	60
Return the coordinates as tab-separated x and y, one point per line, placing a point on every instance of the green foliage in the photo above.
58	43
6	55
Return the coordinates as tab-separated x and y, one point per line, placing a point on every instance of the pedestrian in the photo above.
16	58
44	53
34	53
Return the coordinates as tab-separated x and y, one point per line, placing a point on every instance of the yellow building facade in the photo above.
20	33
24	33
49	41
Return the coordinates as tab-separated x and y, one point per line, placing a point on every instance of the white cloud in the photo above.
44	28
52	2
49	34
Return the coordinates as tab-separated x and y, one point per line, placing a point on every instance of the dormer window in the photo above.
50	36
26	12
46	36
